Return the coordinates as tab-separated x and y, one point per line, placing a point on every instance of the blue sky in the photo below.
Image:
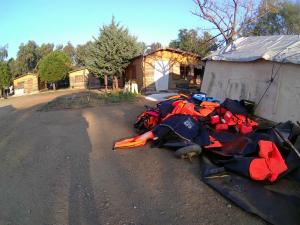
61	21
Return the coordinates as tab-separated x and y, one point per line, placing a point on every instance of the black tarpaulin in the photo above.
277	203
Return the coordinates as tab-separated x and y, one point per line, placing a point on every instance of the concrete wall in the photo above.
239	80
174	77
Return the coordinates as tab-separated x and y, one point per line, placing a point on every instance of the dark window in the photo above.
184	71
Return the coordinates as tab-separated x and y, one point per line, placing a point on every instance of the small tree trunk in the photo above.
54	86
232	37
195	79
105	82
115	83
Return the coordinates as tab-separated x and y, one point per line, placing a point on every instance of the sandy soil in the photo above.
58	168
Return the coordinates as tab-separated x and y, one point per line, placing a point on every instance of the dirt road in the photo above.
57	168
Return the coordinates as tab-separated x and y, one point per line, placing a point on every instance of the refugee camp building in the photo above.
164	69
28	84
264	69
82	78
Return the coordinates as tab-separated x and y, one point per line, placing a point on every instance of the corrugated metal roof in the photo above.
77	69
278	48
23	75
170	50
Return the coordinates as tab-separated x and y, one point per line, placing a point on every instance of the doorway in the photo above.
161	75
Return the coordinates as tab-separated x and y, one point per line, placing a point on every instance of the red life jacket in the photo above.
270	163
214	143
147	120
243	124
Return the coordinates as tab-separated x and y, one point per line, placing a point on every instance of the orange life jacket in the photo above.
137	141
270	163
185	108
207	108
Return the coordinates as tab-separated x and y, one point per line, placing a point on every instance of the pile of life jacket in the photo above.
225	119
226	132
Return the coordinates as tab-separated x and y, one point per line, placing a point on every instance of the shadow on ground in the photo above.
45	168
57	167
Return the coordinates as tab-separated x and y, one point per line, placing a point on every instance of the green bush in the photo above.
115	97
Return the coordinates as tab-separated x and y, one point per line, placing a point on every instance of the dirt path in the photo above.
58	168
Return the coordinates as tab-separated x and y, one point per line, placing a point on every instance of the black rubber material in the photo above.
188	149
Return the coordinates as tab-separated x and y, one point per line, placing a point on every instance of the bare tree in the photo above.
229	17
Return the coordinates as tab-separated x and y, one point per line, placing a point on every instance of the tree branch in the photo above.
228	16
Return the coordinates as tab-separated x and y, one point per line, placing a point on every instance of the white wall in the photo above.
19	92
239	80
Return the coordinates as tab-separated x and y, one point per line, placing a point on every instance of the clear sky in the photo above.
60	21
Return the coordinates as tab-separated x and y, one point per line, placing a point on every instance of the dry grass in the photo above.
87	99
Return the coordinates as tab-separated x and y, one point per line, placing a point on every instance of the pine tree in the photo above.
5	77
111	52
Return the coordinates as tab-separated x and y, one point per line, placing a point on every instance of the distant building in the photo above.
82	78
163	69
263	69
28	84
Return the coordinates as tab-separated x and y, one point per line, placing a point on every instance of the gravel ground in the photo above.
58	168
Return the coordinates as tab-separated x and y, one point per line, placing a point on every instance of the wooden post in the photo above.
114	83
192	68
105	82
117	83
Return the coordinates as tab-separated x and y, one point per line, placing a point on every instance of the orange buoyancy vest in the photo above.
185	108
207	108
270	163
137	141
